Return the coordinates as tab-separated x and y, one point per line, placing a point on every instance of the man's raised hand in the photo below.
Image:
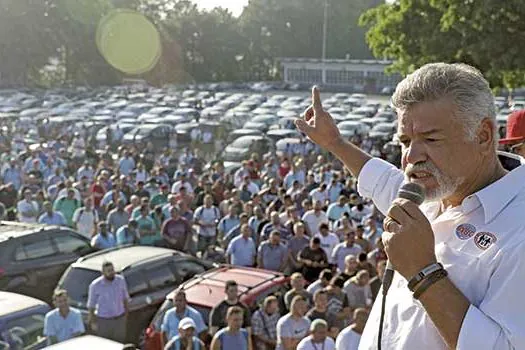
317	124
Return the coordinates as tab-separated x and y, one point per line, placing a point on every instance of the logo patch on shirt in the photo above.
465	231
484	240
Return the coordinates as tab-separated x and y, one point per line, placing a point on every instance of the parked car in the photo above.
150	272
34	257
22	322
87	342
242	147
158	134
206	290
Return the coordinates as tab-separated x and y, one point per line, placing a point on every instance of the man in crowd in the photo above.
118	217
344	249
241	250
322	282
320	311
206	218
358	290
297	282
350	337
218	313
185	339
128	234
108	304
336	210
67	206
318	339
294	326
64	322
174	317
315	217
27	208
51	217
328	240
351	267
233	336
272	254
103	239
313	259
297	243
176	231
264	324
85	219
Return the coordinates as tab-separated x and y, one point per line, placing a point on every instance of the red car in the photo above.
206	290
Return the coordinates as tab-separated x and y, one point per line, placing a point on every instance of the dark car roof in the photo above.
123	257
11	303
207	289
11	229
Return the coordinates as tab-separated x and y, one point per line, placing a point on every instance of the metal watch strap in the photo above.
429	281
424	273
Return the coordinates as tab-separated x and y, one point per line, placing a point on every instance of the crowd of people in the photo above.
300	215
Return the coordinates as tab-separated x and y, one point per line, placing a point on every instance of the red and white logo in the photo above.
484	240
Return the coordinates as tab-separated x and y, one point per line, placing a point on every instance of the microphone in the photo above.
414	193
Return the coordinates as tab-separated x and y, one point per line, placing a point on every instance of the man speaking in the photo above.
472	222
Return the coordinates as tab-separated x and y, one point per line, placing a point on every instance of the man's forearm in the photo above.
352	156
446	306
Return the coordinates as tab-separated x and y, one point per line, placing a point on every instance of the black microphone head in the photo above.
413	192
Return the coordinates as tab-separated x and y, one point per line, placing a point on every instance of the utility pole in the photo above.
325	30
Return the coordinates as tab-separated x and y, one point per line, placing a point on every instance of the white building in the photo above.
359	75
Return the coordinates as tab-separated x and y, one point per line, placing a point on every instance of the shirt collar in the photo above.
495	197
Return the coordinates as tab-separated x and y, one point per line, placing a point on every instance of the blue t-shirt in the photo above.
175	344
101	242
237	341
170	323
63	328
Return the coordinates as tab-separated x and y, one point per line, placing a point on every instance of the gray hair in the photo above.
463	84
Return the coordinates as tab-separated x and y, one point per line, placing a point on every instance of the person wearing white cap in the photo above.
185	340
318	339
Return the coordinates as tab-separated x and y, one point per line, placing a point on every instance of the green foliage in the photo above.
52	42
487	34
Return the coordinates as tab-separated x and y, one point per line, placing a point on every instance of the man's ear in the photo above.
486	135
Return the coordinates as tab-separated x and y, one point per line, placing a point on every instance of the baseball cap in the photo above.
186	323
515	128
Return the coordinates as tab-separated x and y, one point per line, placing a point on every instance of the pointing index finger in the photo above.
316	99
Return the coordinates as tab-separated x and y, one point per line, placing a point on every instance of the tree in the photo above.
486	34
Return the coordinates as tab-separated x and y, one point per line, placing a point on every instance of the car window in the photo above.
186	269
242	142
25	332
136	282
34	250
160	276
76	281
68	244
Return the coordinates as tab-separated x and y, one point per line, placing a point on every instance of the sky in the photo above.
235	6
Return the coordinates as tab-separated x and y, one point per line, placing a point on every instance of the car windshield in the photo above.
76	282
242	142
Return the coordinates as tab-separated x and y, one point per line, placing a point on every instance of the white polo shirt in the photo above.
481	244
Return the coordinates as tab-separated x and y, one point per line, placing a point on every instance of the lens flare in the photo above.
129	41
